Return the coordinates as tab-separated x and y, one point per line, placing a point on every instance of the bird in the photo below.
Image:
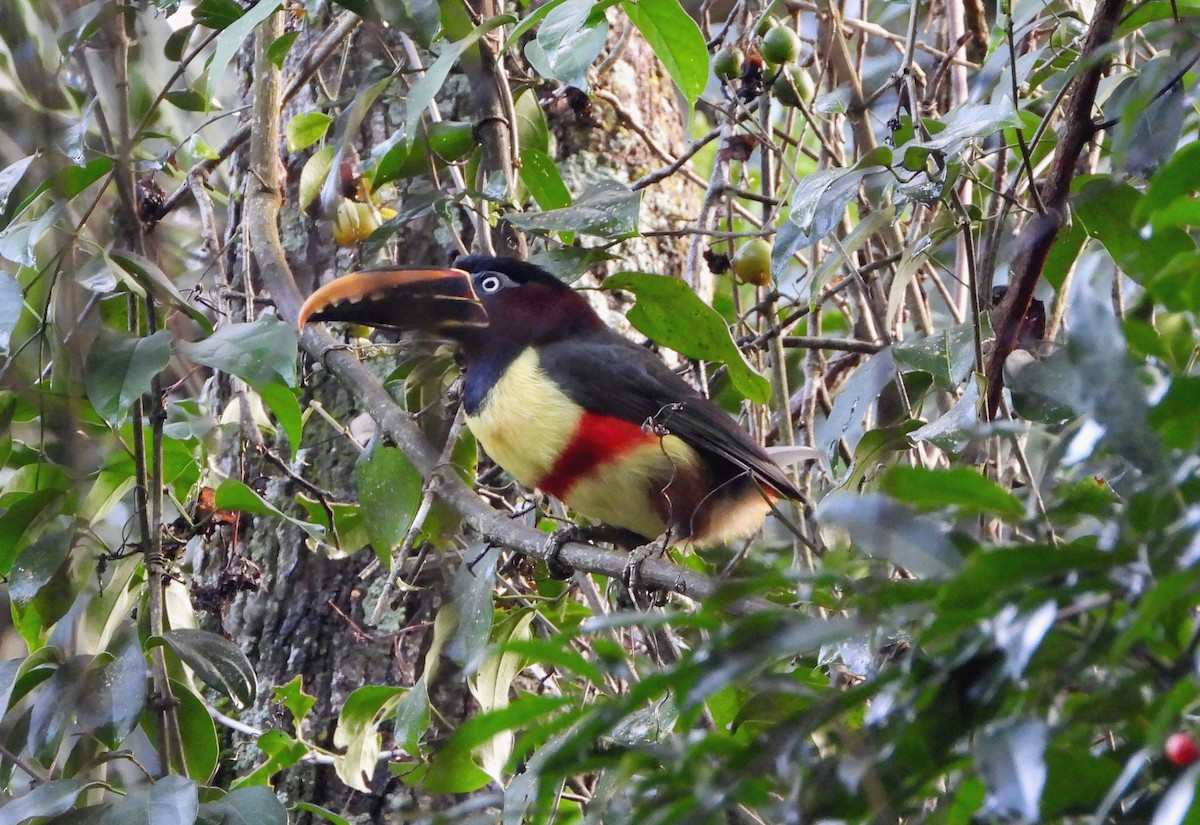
567	405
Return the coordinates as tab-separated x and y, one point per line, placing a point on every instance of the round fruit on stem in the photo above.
752	262
794	86
780	45
1181	749
727	62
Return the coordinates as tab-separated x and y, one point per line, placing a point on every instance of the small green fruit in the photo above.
727	62
780	45
752	262
793	86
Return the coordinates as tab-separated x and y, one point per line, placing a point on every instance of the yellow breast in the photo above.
526	421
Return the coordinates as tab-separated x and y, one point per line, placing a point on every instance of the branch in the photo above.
1077	130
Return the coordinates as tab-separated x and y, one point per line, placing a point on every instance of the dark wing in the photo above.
610	375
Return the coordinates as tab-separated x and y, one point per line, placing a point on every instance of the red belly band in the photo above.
597	439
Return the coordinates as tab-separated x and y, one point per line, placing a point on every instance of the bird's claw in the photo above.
560	569
632	575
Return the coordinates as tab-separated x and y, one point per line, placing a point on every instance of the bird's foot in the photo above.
559	569
632	576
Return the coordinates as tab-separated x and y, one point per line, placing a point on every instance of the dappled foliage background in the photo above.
256	576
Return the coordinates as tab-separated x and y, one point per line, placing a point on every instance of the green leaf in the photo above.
348	124
234	495
1146	110
964	123
218	662
817	206
990	573
420	18
256	805
676	40
282	401
959	487
11	175
540	174
120	368
436	145
569	263
19	242
363	8
305	129
327	815
1106	208
883	528
46	800
412	717
54	709
277	52
357	732
216	14
70	180
18	518
669	313
12	306
1172	187
282	752
348	532
471	606
947	355
853	402
36	565
230	40
452	770
201	749
532	131
1173	592
258	352
1175	285
528	22
554	652
9	669
1010	759
172	800
293	697
149	276
568	41
424	90
389	492
177	42
490	686
1063	254
1174	417
115	691
189	100
606	208
313	176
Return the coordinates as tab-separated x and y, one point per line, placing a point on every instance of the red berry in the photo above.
1182	749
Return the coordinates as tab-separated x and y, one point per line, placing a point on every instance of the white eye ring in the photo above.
490	283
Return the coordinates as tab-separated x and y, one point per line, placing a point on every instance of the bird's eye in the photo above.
490	283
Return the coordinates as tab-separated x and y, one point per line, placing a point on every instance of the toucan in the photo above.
567	405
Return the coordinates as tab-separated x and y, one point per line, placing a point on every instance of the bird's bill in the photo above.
437	300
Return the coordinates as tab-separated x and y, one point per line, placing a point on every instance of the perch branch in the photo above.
1077	130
